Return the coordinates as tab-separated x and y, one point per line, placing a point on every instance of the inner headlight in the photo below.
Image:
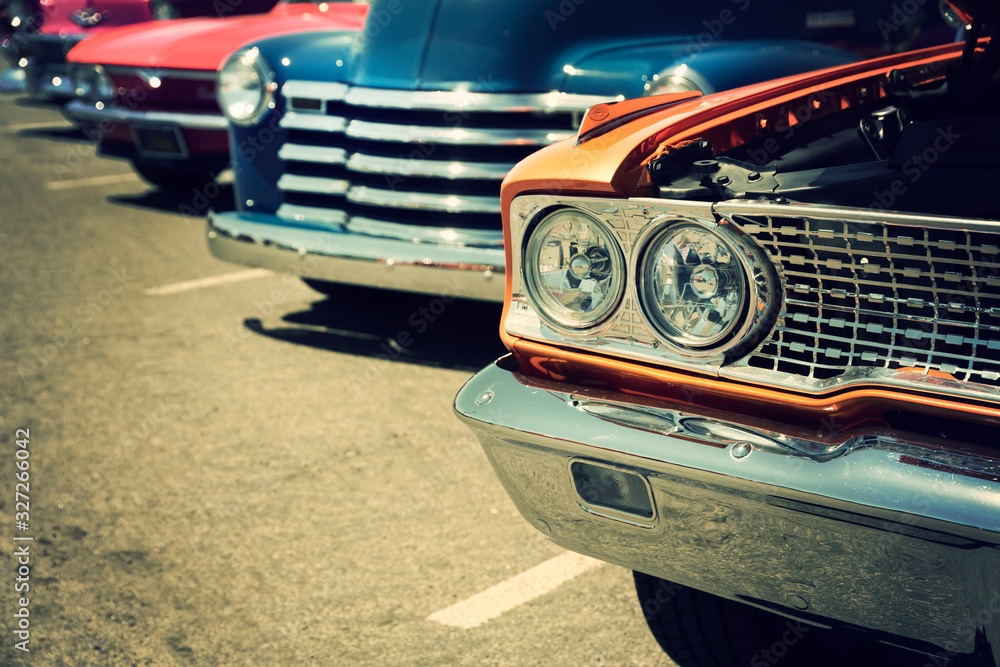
163	10
693	286
245	89
92	83
574	272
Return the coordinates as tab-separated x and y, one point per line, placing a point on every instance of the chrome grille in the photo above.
424	166
865	290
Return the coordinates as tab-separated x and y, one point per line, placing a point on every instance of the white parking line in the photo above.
225	278
514	592
56	124
93	180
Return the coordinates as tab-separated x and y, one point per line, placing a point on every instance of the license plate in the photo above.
159	141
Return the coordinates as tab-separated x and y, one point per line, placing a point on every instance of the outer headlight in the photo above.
163	10
677	79
692	286
573	269
92	83
246	88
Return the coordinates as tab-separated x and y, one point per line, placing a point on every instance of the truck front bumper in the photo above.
883	535
335	254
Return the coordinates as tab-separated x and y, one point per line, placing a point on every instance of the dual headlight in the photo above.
92	83
692	283
245	88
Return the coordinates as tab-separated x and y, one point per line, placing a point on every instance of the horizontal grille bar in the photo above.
322	186
440	100
423	201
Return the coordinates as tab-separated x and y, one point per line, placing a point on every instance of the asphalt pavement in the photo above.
227	468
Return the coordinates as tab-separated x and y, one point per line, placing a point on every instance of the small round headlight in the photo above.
573	268
163	10
693	286
245	88
82	79
92	83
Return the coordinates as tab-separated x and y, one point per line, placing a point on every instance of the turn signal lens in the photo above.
612	488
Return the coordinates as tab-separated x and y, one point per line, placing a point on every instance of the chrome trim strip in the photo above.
727	493
87	112
728	209
414	134
362	194
314	90
145	73
314	122
448	236
325	216
443	100
427	167
319	154
313	184
333	255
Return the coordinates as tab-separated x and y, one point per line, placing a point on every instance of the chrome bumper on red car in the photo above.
88	112
338	253
884	535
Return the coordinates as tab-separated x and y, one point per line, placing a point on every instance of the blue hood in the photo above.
525	45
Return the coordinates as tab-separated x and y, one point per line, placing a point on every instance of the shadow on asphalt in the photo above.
420	329
194	203
55	133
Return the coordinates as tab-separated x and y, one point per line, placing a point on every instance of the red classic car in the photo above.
755	358
147	93
36	35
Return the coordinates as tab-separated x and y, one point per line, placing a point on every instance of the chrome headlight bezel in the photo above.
249	65
163	10
677	79
602	250
626	330
736	276
92	83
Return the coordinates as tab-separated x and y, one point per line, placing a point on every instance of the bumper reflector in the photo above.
612	488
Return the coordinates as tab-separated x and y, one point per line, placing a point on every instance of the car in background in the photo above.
146	93
376	160
46	32
755	358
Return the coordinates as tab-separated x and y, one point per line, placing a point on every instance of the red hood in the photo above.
205	43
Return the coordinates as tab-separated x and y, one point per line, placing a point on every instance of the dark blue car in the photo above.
375	158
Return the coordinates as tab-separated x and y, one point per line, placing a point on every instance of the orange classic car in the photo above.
755	358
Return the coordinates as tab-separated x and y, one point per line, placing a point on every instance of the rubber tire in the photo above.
697	629
177	180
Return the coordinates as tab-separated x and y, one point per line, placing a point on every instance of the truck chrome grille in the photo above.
866	290
419	165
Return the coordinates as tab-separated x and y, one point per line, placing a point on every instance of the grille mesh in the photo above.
881	295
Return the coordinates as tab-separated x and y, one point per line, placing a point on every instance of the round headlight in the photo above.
693	286
573	269
163	10
92	83
245	89
82	79
677	79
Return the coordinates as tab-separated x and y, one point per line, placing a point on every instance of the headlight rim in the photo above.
91	77
267	87
533	290
735	337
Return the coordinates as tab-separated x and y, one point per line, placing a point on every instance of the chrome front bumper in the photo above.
336	255
887	536
82	112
